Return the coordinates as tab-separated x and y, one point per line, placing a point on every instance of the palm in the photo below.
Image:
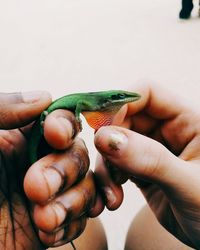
16	228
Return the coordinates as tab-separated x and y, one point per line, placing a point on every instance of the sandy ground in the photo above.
72	45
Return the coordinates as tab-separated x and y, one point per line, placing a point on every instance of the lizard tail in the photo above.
34	142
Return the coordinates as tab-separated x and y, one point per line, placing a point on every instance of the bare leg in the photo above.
145	233
93	238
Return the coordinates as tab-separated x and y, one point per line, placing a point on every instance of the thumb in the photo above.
19	109
138	155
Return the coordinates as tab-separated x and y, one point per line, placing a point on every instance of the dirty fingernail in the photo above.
116	140
110	141
32	96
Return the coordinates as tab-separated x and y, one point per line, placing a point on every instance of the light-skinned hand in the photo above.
157	146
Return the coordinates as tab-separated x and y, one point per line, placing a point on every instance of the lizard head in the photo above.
108	103
116	98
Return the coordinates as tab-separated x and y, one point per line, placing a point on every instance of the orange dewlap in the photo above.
97	119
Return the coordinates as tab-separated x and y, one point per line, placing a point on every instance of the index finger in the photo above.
60	129
158	102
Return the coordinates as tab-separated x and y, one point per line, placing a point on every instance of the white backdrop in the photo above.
66	46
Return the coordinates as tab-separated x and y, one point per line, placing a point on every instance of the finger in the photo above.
140	156
98	206
67	206
66	234
118	176
164	116
56	172
19	109
173	179
112	193
60	128
158	102
161	115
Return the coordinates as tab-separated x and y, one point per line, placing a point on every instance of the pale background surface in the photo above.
66	46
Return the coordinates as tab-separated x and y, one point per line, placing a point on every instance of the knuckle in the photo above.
154	164
79	155
9	141
78	200
66	234
88	192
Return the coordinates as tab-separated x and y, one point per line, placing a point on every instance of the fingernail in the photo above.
66	126
53	179
110	196
110	141
32	96
116	141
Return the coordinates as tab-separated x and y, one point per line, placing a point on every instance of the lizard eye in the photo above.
118	96
121	96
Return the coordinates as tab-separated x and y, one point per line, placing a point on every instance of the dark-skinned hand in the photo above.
59	186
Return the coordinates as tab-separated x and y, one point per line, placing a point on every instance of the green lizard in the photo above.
98	108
